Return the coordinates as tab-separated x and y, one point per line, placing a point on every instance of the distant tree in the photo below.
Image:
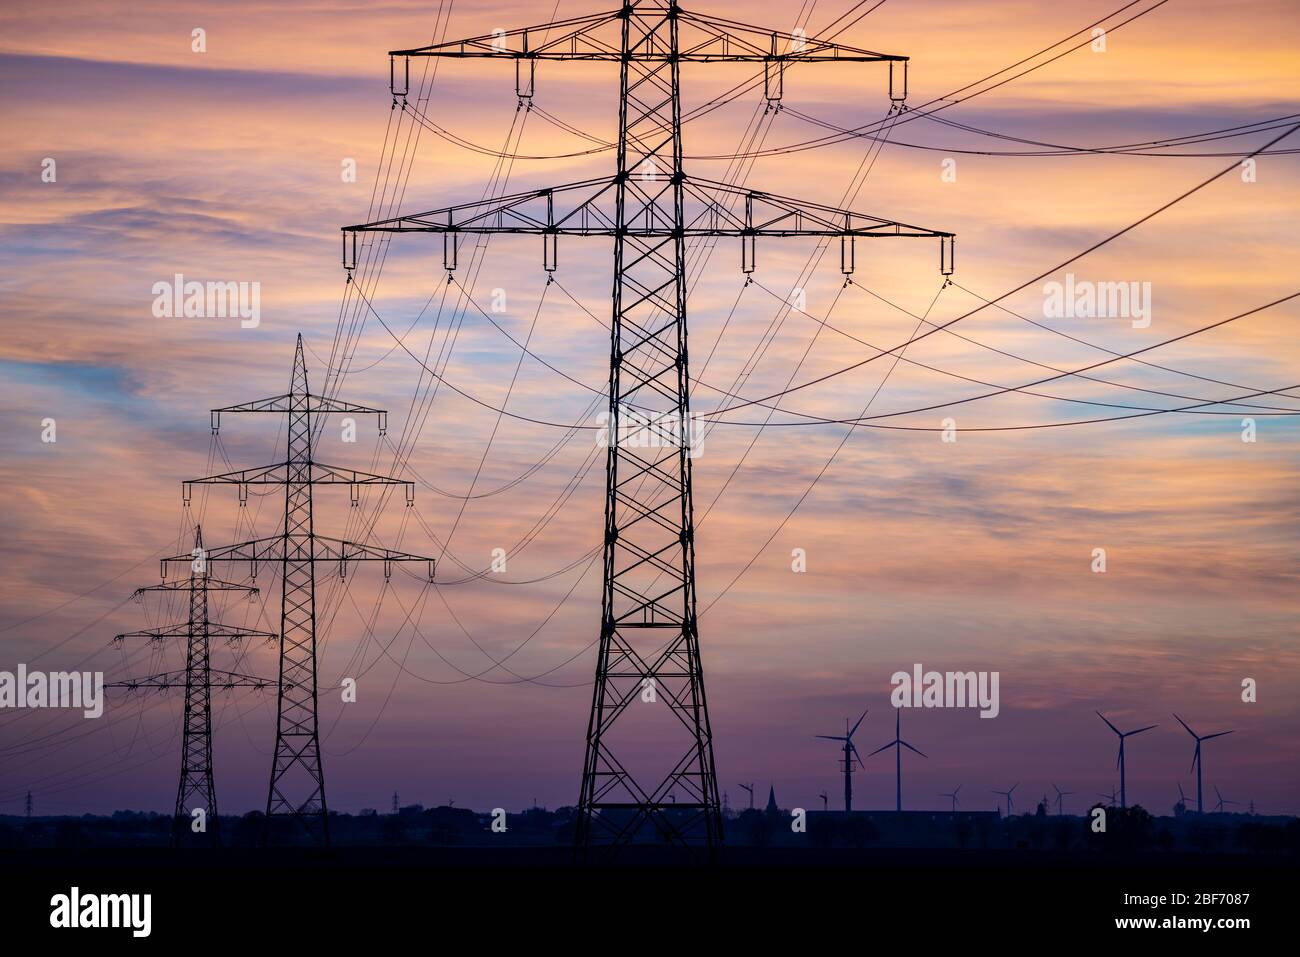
1165	838
1291	835
1062	835
754	825
393	829
1127	829
248	830
859	832
1261	838
68	834
963	831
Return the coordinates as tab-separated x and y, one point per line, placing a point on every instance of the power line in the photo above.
1029	282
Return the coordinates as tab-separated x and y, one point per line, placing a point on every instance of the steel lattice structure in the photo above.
297	784
196	789
649	640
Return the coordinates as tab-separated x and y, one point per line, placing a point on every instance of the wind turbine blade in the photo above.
958	788
1196	756
830	737
1108	724
883	747
1118	758
854	748
1184	724
1218	735
1140	730
859	721
910	748
1014	786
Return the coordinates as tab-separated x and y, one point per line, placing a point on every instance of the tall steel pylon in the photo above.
297	785
196	790
649	648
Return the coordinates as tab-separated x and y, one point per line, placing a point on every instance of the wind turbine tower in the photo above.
1060	797
1219	808
1119	761
897	744
848	760
1007	794
1196	759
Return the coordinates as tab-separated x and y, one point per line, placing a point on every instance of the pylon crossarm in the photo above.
571	208
254	551
308	403
277	474
770	214
703	39
709	209
177	679
181	630
184	629
284	473
575	209
730	41
571	39
280	549
185	584
335	549
314	404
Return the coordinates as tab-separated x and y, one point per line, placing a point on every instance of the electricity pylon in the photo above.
297	786
649	639
196	790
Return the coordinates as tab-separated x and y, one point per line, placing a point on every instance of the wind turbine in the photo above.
750	788
1007	795
826	799
898	744
850	753
1196	758
1182	800
1119	762
953	795
1060	795
1219	807
1110	797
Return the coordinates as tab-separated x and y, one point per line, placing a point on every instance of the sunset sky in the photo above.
226	165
